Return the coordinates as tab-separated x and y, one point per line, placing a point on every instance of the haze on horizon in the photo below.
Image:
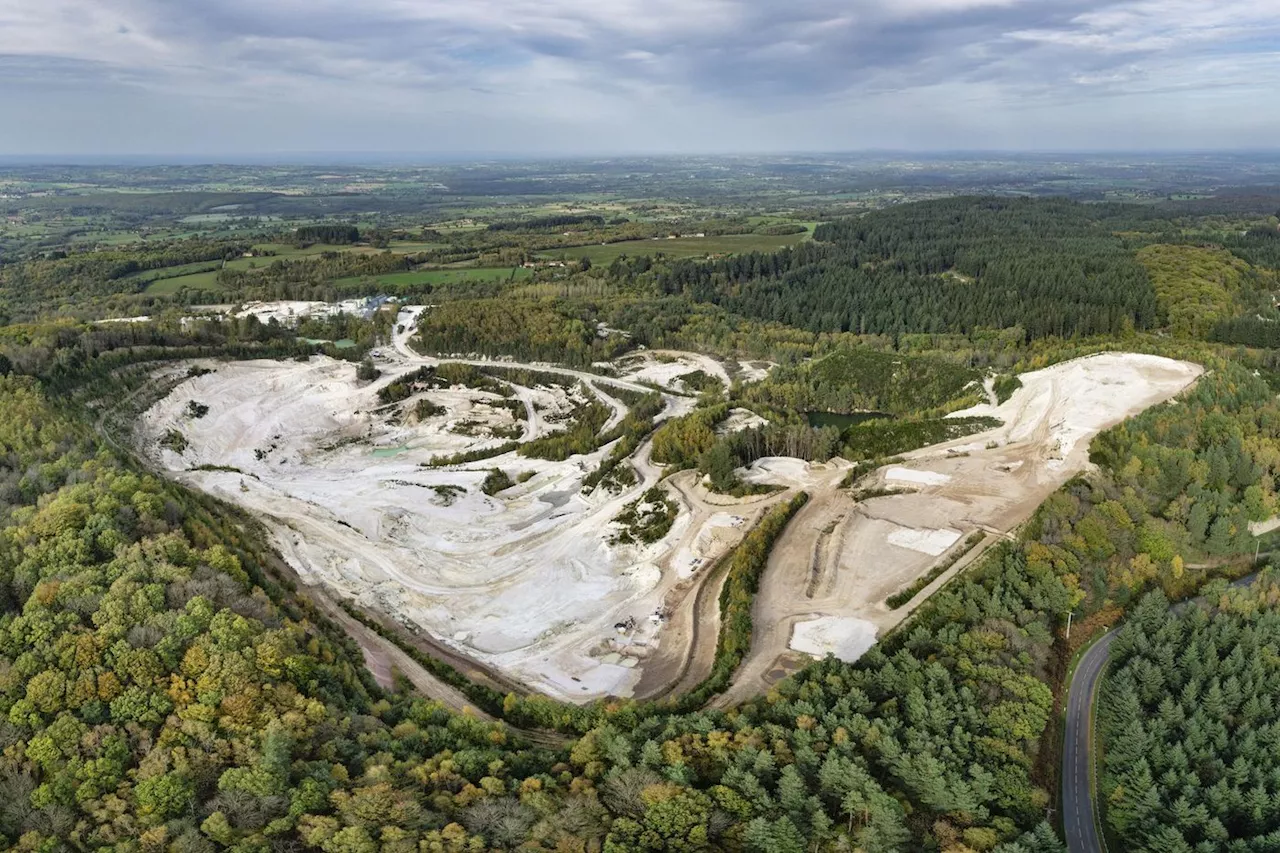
537	77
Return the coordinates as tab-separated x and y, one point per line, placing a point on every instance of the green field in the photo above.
408	248
195	281
174	272
680	247
280	252
199	276
108	238
444	276
20	230
285	252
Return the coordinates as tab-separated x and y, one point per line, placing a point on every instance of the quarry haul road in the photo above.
383	658
687	652
407	353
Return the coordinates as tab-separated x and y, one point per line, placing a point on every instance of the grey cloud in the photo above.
709	66
52	73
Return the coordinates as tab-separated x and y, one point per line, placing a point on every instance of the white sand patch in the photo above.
599	678
658	373
792	473
665	367
1080	398
922	478
718	534
846	638
933	542
738	420
1262	528
838	560
142	319
282	312
289	312
755	371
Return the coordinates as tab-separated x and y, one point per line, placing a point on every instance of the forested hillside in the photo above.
973	277
45	285
160	688
540	332
1196	287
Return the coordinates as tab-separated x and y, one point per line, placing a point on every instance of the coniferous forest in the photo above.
1189	719
1053	268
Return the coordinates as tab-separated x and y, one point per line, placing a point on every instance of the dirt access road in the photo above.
383	657
675	404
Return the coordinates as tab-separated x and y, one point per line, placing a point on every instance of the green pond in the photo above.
388	452
843	422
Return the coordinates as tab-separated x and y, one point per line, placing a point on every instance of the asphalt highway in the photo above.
1079	820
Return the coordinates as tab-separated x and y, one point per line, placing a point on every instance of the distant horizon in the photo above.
408	158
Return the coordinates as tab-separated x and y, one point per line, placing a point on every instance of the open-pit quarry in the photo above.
830	573
528	580
532	580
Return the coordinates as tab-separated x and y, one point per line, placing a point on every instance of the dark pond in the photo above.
843	422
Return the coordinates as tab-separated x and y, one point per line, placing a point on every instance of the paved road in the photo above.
1079	813
1079	820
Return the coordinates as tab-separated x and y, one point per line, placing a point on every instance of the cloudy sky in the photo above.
447	77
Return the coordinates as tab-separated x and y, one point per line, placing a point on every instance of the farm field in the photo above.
111	238
278	252
203	274
285	252
410	247
194	281
150	276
